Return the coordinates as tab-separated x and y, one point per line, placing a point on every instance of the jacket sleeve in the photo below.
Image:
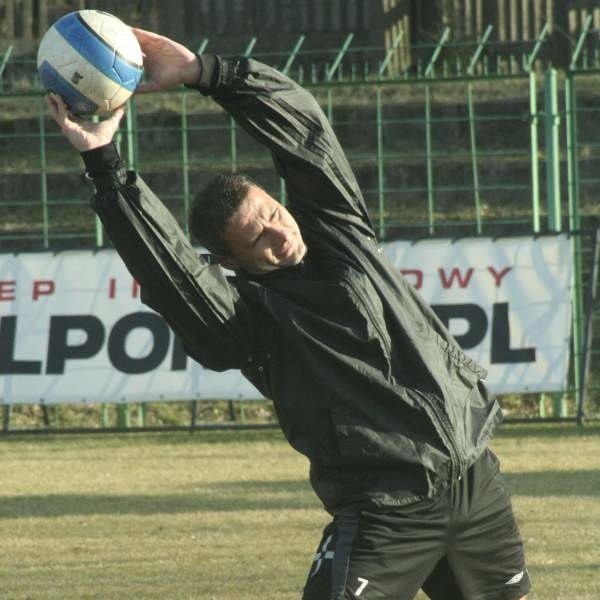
287	119
195	298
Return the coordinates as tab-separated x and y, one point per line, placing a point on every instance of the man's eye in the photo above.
275	214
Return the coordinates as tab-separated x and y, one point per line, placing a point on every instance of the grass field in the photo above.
230	515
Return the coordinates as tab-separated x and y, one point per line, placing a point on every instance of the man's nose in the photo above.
279	234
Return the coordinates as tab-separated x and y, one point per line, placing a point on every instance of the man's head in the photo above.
247	228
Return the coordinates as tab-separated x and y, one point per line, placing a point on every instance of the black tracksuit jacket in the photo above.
365	379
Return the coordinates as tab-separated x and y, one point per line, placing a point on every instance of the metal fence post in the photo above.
534	144
534	120
553	191
44	176
429	161
143	414
6	417
292	56
390	53
472	123
285	70
338	59
574	227
474	167
123	416
578	336
552	120
132	136
535	181
185	158
184	141
104	415
123	412
331	71
380	150
3	64
428	142
232	125
380	165
99	235
185	161
588	322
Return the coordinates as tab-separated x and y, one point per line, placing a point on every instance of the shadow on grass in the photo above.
547	430
256	495
271	433
219	496
554	483
131	438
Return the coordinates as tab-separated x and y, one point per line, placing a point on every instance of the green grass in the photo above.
230	515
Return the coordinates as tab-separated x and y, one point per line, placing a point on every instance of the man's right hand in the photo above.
166	63
83	134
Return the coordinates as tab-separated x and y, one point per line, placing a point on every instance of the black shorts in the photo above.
464	545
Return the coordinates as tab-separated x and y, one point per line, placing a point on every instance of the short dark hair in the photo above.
212	208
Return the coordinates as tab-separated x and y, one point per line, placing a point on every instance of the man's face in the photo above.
262	235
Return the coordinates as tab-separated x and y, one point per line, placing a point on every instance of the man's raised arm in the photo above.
286	118
274	110
202	307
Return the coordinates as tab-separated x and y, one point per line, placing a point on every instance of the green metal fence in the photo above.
455	109
583	153
466	142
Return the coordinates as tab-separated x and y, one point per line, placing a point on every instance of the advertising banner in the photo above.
505	300
73	328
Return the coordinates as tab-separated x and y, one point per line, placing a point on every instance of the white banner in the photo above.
73	328
506	300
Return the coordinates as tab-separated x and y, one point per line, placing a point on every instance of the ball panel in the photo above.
94	85
55	50
95	51
119	98
76	101
81	66
85	89
115	33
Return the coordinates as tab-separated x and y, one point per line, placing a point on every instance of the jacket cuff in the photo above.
213	72
104	167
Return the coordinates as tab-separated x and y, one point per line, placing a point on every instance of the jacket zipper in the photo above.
442	423
445	427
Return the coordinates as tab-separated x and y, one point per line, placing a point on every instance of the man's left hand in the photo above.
83	134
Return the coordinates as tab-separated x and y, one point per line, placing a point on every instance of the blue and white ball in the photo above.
92	60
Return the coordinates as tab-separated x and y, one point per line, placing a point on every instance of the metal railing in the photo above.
457	145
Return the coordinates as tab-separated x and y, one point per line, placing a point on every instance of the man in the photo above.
366	381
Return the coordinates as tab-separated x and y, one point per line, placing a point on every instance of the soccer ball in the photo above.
92	60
